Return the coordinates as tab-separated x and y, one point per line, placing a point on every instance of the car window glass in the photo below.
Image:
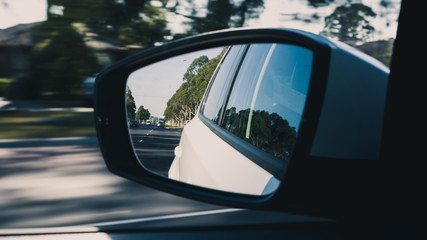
268	96
213	104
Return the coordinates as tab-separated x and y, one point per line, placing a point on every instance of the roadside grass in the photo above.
46	124
4	85
174	127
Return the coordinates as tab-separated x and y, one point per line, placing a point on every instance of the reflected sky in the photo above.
153	85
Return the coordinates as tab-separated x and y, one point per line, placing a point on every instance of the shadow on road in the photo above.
70	185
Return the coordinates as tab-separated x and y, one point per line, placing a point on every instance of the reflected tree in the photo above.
269	132
142	114
184	103
130	105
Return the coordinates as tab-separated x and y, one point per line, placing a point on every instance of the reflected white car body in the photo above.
208	161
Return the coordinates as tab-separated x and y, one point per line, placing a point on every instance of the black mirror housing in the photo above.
338	141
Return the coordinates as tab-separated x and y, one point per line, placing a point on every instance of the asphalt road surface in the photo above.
155	146
61	184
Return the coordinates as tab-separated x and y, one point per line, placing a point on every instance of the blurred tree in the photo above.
142	114
349	22
223	14
61	60
59	63
130	105
129	21
320	3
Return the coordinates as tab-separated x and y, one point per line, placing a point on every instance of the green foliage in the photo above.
130	105
128	21
61	62
194	68
142	114
184	103
349	22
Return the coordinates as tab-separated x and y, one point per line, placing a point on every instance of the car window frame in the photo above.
229	82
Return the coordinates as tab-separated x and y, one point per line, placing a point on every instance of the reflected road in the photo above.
155	146
70	185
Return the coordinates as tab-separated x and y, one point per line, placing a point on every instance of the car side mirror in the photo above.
259	118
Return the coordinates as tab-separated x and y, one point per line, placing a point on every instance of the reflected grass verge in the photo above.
46	124
174	127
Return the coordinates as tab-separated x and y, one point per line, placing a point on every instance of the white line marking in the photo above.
165	217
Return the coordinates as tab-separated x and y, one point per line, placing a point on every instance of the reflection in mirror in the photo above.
233	133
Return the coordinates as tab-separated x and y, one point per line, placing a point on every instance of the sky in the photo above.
13	12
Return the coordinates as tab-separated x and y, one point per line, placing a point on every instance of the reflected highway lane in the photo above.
155	146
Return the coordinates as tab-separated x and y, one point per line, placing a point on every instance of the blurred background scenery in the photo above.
51	169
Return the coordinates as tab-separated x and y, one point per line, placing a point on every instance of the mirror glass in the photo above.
224	118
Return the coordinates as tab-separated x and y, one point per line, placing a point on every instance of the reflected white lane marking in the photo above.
149	132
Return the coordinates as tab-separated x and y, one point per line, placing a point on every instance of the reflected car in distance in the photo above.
161	124
134	123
